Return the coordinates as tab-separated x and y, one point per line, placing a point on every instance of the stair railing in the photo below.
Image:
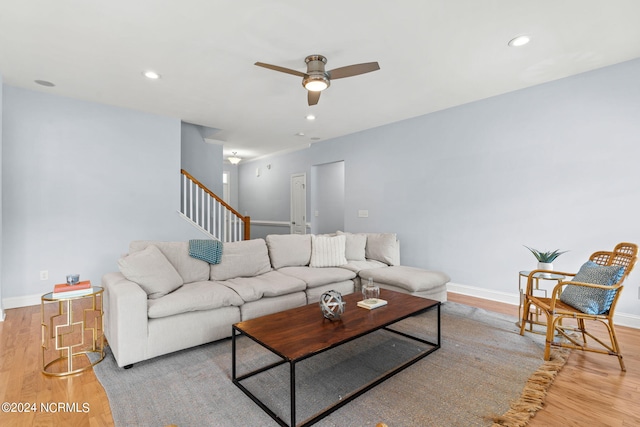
210	213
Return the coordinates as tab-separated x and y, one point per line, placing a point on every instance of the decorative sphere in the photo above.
332	305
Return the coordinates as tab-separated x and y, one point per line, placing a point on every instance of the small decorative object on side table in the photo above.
73	331
331	305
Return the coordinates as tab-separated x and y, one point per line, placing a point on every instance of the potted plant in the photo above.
545	259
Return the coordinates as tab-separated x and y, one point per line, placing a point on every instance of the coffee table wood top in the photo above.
301	332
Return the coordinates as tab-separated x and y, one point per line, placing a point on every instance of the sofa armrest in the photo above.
125	318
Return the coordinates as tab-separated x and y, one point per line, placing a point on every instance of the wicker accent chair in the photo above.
556	310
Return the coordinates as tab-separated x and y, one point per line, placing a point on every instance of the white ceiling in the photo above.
433	54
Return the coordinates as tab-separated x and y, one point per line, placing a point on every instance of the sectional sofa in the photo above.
163	300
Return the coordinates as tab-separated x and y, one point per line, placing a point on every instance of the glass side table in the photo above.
71	331
534	315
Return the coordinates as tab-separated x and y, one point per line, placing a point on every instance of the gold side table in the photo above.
534	316
71	332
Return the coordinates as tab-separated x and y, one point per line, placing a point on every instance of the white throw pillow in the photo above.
328	251
150	269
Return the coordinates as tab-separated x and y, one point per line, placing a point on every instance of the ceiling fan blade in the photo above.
281	69
353	70
313	97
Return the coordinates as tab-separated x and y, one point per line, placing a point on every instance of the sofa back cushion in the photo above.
150	269
355	246
190	269
246	258
289	250
383	247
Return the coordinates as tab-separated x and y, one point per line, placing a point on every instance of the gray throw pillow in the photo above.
592	300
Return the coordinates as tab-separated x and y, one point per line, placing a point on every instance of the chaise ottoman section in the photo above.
411	280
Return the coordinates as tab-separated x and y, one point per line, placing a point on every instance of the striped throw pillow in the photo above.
328	251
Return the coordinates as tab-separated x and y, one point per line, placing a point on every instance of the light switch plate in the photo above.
363	214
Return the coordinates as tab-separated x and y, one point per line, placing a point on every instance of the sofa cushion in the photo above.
327	251
319	276
289	250
356	266
190	269
270	284
150	269
355	245
246	258
196	296
383	247
410	278
592	300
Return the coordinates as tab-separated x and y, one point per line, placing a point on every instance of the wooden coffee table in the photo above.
299	333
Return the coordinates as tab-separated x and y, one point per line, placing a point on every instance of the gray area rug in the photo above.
480	369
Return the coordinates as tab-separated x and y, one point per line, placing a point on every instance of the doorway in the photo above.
299	203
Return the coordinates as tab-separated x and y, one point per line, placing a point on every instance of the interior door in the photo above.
299	203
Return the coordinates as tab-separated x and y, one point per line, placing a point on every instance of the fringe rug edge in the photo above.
535	390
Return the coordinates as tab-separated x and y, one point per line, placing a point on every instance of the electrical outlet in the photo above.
44	275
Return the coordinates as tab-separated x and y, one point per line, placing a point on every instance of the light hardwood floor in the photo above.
590	390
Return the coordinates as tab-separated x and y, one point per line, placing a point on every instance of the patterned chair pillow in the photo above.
591	300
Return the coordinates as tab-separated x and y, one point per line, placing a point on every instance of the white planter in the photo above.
545	266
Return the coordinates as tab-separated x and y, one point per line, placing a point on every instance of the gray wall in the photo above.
1	197
203	160
80	181
553	166
327	198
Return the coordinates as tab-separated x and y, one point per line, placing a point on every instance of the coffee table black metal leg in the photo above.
439	335
292	377
233	354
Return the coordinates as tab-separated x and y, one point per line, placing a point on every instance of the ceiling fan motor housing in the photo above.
315	71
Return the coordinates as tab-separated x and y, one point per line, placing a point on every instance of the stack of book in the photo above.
372	303
65	290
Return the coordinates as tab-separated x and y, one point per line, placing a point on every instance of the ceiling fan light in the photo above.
315	83
234	160
316	86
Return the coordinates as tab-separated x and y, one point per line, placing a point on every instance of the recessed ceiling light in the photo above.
44	83
311	117
519	41
151	75
300	134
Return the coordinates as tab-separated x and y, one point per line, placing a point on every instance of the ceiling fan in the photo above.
316	79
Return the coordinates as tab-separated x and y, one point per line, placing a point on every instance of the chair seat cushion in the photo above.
592	300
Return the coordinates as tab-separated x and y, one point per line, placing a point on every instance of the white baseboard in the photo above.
621	319
24	301
472	291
